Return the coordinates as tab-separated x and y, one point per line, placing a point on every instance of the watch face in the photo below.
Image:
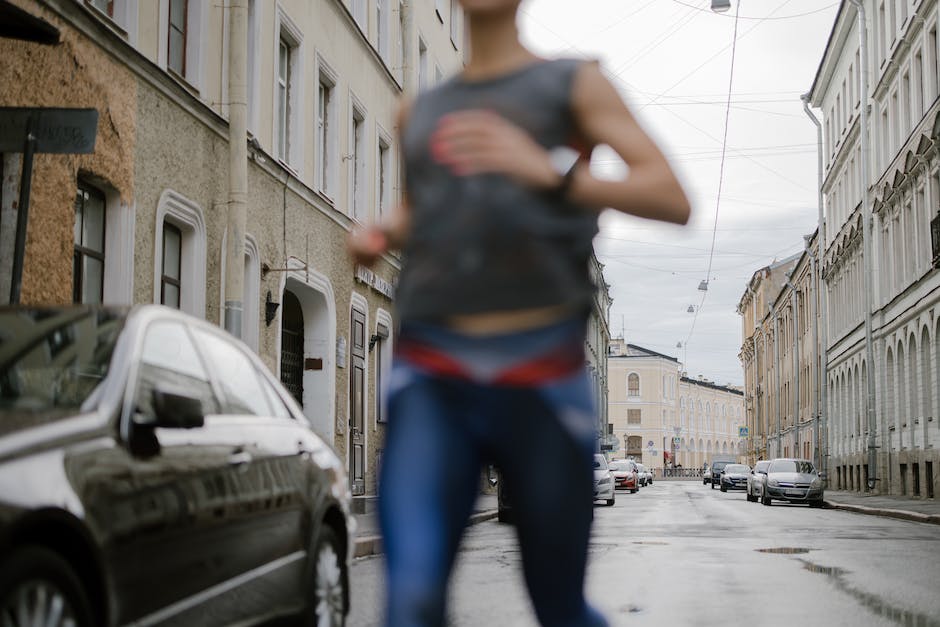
563	159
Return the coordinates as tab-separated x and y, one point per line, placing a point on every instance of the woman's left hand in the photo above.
478	141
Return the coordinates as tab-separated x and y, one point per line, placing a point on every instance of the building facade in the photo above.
664	419
880	288
598	339
144	217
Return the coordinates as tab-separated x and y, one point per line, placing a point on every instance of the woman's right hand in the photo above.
366	244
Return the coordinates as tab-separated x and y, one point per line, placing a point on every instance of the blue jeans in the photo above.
441	433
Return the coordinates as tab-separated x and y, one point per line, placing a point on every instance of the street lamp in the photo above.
721	6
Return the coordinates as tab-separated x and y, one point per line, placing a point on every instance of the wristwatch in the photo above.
563	160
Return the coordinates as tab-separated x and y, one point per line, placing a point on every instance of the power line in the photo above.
781	17
721	173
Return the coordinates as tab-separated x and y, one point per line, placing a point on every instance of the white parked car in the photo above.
603	480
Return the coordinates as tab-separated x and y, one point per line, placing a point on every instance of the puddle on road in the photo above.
872	602
785	550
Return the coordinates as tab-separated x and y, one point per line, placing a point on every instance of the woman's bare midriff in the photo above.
508	321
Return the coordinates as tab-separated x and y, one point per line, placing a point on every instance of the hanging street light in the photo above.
721	6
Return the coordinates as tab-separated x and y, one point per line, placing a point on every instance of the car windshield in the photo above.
719	465
618	466
51	361
600	462
792	465
761	466
736	469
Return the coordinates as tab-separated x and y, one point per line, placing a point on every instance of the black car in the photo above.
152	471
717	467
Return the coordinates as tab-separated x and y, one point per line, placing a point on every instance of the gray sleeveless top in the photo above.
485	243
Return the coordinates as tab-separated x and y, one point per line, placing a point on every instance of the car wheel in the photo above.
818	503
723	488
765	500
37	587
713	485
329	582
634	490
610	502
750	498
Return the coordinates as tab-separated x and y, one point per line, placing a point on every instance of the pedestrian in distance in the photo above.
496	227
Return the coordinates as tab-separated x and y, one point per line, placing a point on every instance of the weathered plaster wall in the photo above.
75	73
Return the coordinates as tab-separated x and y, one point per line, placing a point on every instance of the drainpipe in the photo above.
868	266
821	344
794	307
777	375
238	166
409	79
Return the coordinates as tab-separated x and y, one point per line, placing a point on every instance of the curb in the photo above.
899	514
372	545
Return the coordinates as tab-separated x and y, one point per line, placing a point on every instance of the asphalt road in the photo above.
678	553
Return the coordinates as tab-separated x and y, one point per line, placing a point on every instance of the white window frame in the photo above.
456	15
360	13
291	34
325	179
356	160
197	19
383	367
381	28
189	218
118	244
423	69
124	18
383	166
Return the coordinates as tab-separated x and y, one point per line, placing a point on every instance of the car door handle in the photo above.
239	458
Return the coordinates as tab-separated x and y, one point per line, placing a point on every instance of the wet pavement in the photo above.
679	554
368	537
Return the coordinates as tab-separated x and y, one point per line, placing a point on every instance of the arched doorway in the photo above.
292	346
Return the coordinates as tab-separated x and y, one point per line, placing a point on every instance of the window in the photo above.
383	363
357	165
933	71
381	27
633	384
170	273
176	37
359	14
105	6
235	374
455	16
634	416
918	87
325	134
422	65
89	253
905	113
283	99
882	41
383	187
288	90
186	246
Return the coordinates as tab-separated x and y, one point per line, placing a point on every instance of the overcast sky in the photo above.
671	60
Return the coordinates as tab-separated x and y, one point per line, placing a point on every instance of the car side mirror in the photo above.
177	411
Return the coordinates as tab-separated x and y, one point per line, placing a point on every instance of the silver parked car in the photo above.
603	480
755	480
646	476
794	480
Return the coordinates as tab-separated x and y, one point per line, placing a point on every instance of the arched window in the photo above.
633	384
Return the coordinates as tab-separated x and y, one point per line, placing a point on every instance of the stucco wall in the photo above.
74	73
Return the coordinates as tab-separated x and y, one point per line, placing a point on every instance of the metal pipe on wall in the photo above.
237	215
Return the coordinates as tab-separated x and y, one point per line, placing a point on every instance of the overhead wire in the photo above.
721	175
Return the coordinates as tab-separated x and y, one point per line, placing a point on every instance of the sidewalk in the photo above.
368	539
902	507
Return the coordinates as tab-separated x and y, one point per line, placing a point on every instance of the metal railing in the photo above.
682	473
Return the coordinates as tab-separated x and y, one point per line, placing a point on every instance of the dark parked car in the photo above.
734	477
715	473
153	471
793	480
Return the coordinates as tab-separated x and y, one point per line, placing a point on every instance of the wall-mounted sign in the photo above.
377	283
